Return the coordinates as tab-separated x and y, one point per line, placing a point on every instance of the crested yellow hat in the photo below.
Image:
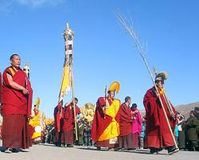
115	86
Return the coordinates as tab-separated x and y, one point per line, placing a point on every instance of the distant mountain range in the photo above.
185	109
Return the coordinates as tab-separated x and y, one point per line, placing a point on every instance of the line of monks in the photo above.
112	122
65	122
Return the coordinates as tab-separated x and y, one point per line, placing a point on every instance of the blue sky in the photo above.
103	52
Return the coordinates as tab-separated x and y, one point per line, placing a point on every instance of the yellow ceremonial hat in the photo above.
115	86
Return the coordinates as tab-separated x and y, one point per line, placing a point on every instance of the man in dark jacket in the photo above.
192	125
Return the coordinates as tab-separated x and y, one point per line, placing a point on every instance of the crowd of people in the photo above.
113	125
187	131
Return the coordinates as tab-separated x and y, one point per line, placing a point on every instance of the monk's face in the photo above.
75	102
36	111
129	101
16	61
160	84
112	94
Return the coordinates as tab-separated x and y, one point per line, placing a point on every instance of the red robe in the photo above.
100	122
157	130
68	117
125	120
58	117
14	101
16	108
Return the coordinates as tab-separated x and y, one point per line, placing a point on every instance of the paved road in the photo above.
50	152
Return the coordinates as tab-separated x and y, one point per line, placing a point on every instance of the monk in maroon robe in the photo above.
58	115
16	106
158	135
125	123
69	122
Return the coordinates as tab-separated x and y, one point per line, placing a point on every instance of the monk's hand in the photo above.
25	91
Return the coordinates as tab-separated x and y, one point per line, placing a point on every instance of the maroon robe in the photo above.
58	116
125	122
58	113
69	123
157	130
16	110
100	122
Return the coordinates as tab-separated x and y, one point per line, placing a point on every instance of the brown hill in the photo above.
185	109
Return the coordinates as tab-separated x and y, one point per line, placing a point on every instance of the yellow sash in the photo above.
112	131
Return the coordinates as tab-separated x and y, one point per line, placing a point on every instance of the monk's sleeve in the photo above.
151	104
124	114
5	78
101	102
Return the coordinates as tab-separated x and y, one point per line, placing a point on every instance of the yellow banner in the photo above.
66	82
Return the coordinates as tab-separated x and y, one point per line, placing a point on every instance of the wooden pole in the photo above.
141	51
73	103
68	37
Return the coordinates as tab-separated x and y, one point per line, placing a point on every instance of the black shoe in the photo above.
154	150
15	150
99	148
69	145
172	150
159	149
7	150
116	149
